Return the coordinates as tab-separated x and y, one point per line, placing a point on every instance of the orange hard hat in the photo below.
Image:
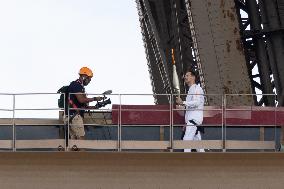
86	71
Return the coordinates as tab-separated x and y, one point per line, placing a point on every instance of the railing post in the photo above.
119	125
66	132
224	121
171	123
14	124
275	124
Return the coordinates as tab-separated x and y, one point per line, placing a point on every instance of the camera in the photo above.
102	103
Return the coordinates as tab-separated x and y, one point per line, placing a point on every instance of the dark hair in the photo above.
194	72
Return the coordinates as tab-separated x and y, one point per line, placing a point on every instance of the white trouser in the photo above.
190	135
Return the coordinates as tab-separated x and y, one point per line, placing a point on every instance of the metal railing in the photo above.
13	143
163	136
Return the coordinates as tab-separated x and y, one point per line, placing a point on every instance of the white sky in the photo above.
43	44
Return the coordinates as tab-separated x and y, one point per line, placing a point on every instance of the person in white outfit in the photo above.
194	105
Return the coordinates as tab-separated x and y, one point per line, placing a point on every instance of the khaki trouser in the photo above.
77	127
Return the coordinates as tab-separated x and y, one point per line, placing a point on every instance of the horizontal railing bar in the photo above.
148	110
103	125
142	145
144	125
247	94
201	144
129	94
94	144
181	125
205	110
47	125
42	143
6	144
250	145
251	125
7	110
18	94
37	121
133	144
129	125
27	109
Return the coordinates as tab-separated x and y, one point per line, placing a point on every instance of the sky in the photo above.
44	43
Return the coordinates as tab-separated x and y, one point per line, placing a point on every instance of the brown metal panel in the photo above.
72	170
221	52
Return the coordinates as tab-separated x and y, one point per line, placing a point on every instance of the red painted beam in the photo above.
160	115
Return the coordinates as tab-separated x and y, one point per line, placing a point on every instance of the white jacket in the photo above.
194	104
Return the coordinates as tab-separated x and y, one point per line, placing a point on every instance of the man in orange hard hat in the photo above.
78	100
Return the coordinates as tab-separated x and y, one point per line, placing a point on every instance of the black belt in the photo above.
199	128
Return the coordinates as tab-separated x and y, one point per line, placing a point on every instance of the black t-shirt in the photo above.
76	87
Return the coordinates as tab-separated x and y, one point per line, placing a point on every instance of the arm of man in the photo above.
79	93
191	104
82	98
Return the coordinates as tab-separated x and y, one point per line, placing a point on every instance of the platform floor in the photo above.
113	170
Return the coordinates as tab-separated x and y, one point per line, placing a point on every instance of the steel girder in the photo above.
164	26
263	38
169	27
